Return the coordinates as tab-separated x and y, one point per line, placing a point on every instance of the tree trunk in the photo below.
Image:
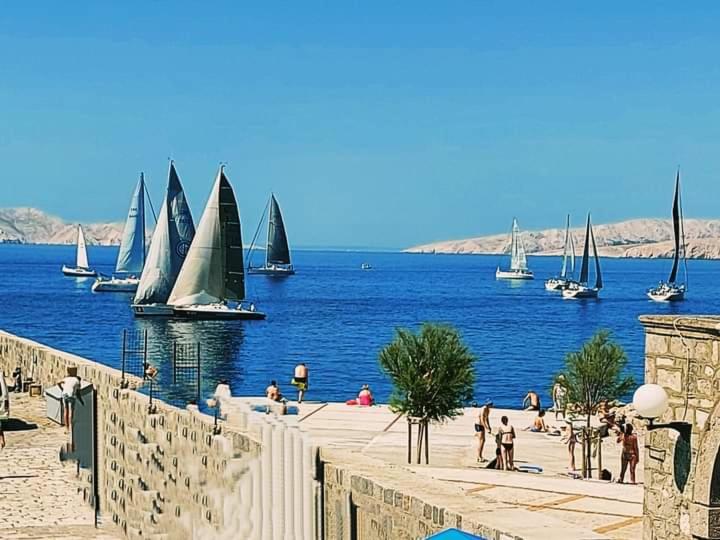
409	441
427	443
419	442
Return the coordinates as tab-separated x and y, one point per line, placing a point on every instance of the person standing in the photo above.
571	442
481	428
69	388
558	395
630	453
300	380
507	439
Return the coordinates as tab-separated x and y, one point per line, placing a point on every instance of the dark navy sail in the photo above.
232	242
676	230
584	269
278	251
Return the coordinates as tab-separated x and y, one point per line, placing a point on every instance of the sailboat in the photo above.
567	272
580	288
671	290
169	245
277	252
82	267
211	283
131	257
518	260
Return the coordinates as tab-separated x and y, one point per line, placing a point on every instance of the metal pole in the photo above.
174	361
124	342
198	373
95	473
427	443
409	441
145	351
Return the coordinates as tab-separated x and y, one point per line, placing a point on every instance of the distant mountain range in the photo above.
33	226
637	238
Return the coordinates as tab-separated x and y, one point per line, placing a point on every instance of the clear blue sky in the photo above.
376	123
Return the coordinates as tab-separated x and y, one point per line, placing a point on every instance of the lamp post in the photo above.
651	402
213	404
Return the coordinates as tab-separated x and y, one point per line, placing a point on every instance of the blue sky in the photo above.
377	124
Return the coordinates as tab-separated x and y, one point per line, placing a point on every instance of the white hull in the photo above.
127	285
666	293
514	274
580	292
556	284
152	310
273	271
216	311
78	272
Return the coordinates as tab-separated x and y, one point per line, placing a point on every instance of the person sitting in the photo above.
533	399
365	397
272	392
539	425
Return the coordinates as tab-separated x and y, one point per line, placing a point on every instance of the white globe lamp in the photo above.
650	401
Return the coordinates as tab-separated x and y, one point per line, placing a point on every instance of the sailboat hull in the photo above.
667	293
152	310
216	312
580	292
272	271
556	284
514	274
126	285
78	272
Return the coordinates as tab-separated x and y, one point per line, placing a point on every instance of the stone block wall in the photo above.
161	475
682	354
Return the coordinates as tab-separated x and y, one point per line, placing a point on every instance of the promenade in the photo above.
546	505
40	496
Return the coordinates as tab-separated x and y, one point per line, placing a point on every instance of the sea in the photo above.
336	317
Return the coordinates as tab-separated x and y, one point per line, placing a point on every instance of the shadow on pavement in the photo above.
15	424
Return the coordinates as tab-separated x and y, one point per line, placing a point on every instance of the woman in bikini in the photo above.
630	453
507	439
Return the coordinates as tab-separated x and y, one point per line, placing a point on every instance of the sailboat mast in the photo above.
254	238
563	271
598	274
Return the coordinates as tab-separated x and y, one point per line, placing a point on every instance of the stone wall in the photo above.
161	475
683	356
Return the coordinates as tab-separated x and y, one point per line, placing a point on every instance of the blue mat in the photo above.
454	534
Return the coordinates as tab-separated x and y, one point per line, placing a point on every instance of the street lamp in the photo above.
213	404
651	402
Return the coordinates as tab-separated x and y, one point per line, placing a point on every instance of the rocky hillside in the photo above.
642	238
32	226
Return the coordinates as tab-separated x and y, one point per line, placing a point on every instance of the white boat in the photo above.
82	267
567	272
170	243
277	252
131	256
365	266
211	282
581	288
671	290
518	260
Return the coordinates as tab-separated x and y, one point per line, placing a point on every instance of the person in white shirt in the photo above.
69	388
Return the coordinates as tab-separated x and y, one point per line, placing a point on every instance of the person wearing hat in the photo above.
481	427
365	397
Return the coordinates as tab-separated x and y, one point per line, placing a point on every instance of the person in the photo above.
498	451
481	427
365	397
539	423
300	379
17	380
630	453
69	388
272	392
507	433
571	440
558	396
609	425
534	401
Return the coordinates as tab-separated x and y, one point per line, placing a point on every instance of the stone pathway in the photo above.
41	497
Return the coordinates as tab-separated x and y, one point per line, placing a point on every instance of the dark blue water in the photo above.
336	317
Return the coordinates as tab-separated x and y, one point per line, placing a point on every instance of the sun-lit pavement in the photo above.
550	504
41	497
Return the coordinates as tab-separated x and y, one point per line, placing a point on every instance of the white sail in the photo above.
213	268
518	260
568	253
173	234
82	257
131	257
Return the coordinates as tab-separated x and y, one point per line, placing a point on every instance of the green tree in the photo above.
595	373
432	372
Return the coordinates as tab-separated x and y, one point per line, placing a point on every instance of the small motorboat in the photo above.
365	266
556	284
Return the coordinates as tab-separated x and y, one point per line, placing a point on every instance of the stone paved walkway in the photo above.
41	497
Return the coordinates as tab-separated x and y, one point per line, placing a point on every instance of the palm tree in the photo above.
432	372
593	374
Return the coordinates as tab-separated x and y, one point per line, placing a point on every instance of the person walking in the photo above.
630	453
558	395
571	441
300	380
482	427
507	438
